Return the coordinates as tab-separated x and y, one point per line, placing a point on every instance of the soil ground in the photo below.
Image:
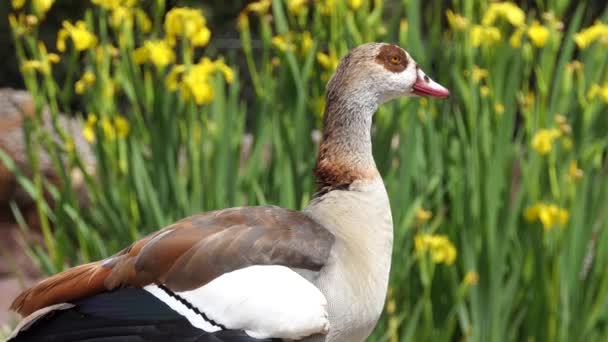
16	268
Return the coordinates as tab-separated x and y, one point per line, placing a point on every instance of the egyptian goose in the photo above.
256	273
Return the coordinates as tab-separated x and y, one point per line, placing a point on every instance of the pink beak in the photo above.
425	86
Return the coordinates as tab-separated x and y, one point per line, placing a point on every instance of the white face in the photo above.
400	75
399	83
374	73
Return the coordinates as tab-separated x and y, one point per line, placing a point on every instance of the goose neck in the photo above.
345	153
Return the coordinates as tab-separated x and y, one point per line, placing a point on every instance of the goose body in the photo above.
256	273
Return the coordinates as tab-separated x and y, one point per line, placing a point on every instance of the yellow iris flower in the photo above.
591	34
548	215
158	52
79	34
538	34
542	142
506	10
440	247
187	23
456	21
296	7
486	35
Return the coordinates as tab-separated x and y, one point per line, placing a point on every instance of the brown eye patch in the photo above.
392	57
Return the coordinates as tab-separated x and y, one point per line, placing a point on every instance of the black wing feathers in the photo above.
127	314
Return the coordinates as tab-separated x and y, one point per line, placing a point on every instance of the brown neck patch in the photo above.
392	58
335	174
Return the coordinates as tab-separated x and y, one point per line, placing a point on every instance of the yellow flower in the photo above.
319	105
104	51
329	62
143	21
17	4
202	37
506	10
527	100
158	52
499	108
515	39
574	66
597	90
484	91
306	42
259	7
591	34
423	215
275	62
242	22
88	131
108	129
69	145
478	74
471	278
107	91
120	16
382	30
326	7
456	21
225	70
574	173
172	81
195	82
79	34
17	25
31	65
531	213
42	6
403	27
124	14
85	82
355	4
121	126
281	43
113	4
553	21
538	34
562	123
487	35
53	58
29	20
44	64
440	247
187	23
547	214
295	7
542	142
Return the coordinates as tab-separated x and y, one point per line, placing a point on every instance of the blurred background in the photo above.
118	117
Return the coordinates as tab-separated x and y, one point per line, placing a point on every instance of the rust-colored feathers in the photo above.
192	252
77	282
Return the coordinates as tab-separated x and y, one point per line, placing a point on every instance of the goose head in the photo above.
366	77
378	72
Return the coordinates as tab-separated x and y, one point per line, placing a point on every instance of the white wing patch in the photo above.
265	301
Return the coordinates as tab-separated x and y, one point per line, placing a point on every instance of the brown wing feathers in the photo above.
192	252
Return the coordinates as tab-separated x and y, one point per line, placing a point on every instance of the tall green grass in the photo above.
474	161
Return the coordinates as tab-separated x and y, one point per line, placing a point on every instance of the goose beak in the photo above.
425	86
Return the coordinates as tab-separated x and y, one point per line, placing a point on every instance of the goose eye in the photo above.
395	59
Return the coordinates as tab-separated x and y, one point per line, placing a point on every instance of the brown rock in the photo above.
15	105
